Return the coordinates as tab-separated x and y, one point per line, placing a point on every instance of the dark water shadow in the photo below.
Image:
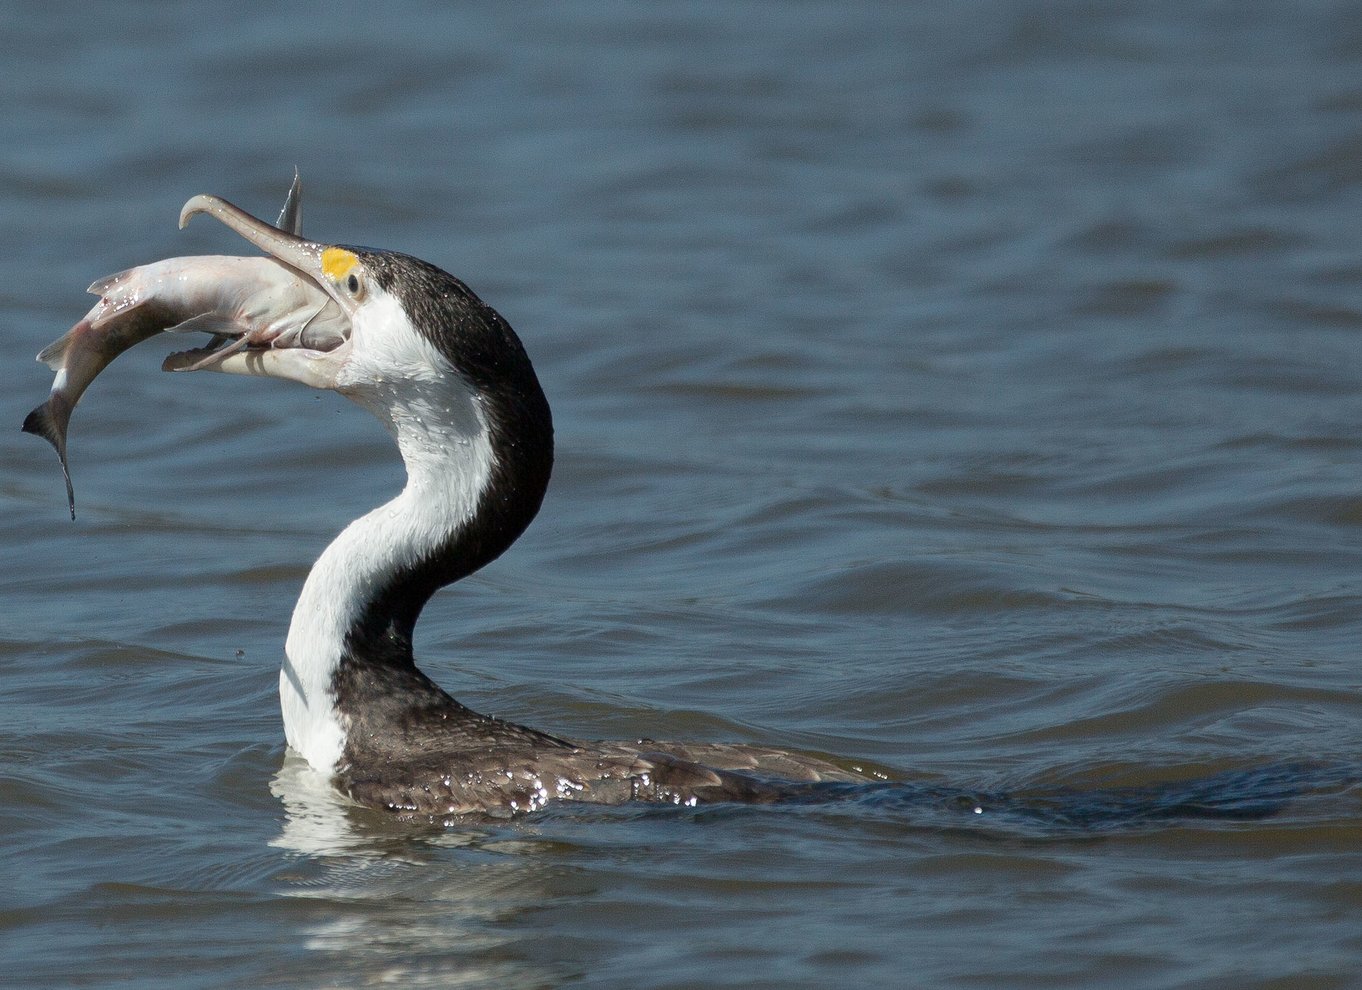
1252	794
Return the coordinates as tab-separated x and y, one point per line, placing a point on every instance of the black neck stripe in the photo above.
481	345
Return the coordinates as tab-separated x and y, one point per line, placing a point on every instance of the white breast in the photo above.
442	432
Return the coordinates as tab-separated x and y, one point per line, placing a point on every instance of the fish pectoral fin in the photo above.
317	369
205	357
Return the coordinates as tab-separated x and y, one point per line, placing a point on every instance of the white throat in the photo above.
442	432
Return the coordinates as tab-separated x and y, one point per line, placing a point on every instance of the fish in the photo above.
243	302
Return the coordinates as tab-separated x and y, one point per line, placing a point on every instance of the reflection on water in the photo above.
318	821
430	901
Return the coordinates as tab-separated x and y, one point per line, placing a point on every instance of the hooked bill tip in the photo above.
201	203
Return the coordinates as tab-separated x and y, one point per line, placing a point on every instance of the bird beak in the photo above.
308	260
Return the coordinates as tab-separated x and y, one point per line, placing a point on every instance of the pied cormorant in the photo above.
451	381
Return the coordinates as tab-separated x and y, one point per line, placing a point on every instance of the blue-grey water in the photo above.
969	389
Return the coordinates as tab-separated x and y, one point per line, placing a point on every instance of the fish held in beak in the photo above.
252	307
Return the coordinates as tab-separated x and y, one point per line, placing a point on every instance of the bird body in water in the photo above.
452	383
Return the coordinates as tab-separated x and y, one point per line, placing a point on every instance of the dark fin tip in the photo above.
41	423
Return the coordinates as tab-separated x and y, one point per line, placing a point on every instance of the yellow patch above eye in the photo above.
337	262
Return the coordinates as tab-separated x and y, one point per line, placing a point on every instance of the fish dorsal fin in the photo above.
291	216
101	286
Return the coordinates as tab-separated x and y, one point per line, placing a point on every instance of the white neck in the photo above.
442	432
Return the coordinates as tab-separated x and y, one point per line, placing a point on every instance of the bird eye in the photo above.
352	283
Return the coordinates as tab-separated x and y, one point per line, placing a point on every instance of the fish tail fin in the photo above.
49	421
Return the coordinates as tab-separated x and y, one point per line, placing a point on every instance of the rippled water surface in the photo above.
972	390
